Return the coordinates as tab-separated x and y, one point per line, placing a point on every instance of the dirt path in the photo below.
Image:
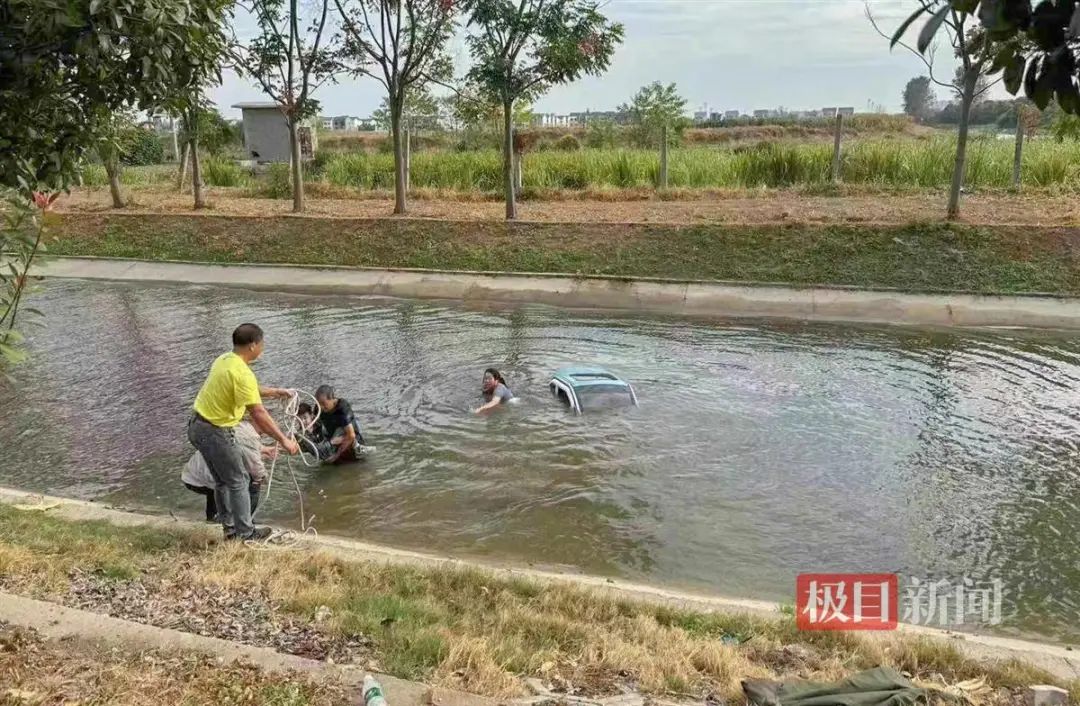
734	207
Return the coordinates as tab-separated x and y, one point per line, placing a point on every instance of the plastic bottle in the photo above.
373	694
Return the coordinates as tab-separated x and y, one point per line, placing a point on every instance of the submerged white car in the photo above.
581	388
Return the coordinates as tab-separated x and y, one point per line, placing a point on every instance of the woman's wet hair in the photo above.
305	408
496	375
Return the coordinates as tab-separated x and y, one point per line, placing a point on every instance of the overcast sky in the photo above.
730	54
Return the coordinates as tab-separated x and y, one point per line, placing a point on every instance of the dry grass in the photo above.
469	629
46	556
888	125
599	205
34	672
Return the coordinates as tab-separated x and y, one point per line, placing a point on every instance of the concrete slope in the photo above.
637	295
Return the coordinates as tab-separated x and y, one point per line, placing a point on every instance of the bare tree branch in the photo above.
928	61
267	20
989	85
314	55
367	47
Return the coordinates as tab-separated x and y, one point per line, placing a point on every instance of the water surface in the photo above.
759	450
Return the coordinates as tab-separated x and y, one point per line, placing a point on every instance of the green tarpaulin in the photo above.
877	687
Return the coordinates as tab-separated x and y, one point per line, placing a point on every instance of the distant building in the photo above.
618	117
846	112
342	123
550	120
828	112
732	115
266	134
161	124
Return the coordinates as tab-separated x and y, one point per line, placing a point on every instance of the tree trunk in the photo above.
837	138
971	77
297	168
663	180
400	189
408	157
196	174
112	169
175	141
1018	157
183	166
508	159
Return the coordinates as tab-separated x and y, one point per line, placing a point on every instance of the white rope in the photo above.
293	427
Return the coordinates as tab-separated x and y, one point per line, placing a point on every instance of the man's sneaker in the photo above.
260	533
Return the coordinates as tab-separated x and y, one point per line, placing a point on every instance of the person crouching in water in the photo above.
308	428
341	439
197	478
495	390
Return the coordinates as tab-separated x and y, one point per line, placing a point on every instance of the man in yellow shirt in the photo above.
230	390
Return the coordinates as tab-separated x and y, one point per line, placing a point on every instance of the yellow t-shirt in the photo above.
230	388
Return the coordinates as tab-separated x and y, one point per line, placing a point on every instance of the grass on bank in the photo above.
916	257
892	163
473	630
35	672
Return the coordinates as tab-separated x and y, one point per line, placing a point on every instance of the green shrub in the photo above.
94	175
277	182
222	172
568	143
601	135
316	167
474	140
141	147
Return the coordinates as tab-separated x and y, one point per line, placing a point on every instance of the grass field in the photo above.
462	627
901	163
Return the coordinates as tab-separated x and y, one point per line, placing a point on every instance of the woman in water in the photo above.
495	390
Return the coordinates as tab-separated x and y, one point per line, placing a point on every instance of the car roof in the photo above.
579	377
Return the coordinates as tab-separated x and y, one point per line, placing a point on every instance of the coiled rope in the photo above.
292	426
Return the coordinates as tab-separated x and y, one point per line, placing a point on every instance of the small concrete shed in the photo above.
266	134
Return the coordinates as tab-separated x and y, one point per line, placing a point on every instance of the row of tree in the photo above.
100	60
921	103
650	109
1016	42
70	70
519	49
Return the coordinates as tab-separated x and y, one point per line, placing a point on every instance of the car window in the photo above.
597	396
